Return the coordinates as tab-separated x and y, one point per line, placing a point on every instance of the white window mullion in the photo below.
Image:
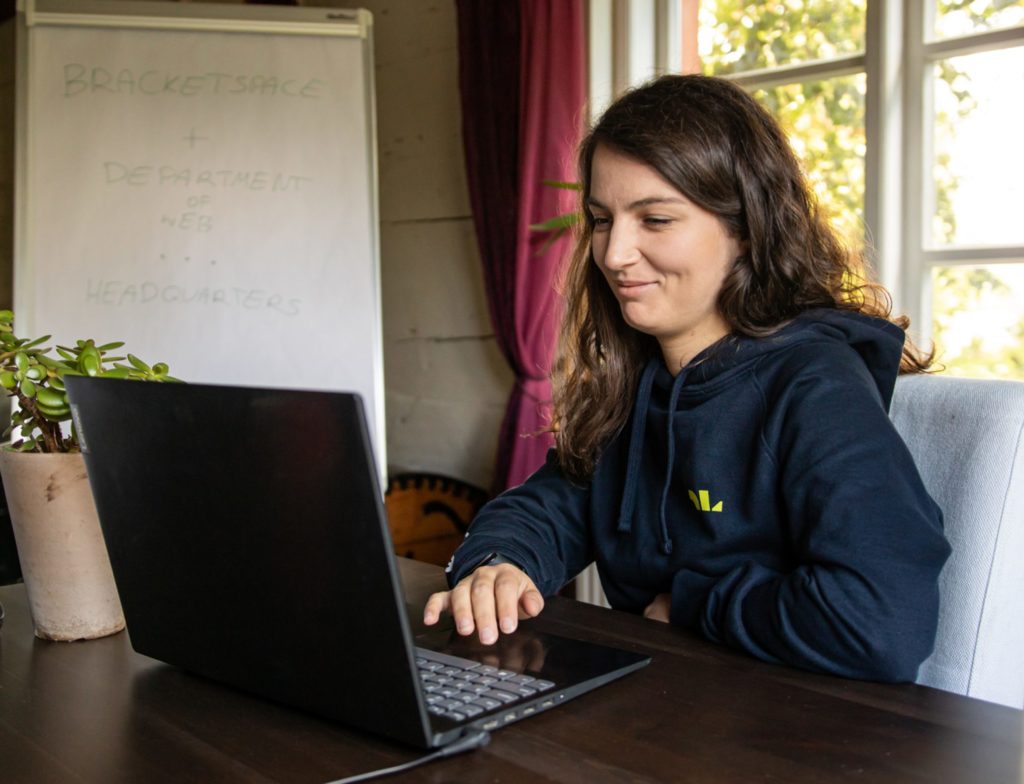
668	39
600	56
974	43
914	289
966	256
622	39
883	164
766	78
642	41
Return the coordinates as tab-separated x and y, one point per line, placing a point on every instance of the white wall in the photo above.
446	381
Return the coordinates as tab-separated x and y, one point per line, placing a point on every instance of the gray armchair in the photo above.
967	438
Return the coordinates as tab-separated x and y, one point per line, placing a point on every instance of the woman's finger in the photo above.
436	604
531	602
461	606
481	592
508	588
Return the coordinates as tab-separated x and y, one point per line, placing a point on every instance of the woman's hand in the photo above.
489	598
659	609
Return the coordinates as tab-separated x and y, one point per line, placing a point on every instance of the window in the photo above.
965	245
805	62
908	118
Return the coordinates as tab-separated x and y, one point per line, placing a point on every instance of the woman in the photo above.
723	449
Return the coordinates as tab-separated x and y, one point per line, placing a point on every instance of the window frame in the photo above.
920	259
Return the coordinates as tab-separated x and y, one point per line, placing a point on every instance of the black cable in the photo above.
468	742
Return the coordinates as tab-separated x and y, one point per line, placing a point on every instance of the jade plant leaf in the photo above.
35	378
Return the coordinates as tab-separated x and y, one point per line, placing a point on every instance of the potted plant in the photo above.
64	561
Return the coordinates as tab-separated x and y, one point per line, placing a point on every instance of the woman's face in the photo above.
664	257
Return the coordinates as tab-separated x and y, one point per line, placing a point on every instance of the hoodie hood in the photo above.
878	342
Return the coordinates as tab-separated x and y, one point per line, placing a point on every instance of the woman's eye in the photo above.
600	221
655	221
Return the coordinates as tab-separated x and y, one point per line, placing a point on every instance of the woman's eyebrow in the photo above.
639	203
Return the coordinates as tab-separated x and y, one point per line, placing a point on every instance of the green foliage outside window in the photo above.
825	120
973	292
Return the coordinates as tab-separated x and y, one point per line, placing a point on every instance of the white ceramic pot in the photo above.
64	561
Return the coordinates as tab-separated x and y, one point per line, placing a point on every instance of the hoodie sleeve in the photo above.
867	538
541	526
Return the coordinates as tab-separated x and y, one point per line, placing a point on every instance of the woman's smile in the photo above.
628	289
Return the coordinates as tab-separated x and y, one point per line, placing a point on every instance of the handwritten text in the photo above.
251	180
83	80
119	292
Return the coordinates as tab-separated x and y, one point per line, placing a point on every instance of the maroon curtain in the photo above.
522	82
488	75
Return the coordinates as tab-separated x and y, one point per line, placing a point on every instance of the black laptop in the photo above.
249	542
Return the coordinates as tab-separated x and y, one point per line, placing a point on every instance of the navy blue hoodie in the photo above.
765	488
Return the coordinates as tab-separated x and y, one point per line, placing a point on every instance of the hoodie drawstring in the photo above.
677	387
636	443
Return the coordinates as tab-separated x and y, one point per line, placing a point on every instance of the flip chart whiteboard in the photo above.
200	182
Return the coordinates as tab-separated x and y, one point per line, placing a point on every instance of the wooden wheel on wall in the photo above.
428	514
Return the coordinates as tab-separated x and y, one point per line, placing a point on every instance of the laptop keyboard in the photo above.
462	689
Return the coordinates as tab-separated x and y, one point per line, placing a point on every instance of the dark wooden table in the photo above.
98	712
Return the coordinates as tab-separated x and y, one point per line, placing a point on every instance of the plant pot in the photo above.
64	562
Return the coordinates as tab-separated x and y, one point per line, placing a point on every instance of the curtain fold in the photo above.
488	75
533	51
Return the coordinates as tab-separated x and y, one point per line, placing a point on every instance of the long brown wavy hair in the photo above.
723	151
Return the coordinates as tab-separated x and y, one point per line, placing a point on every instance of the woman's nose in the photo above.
621	250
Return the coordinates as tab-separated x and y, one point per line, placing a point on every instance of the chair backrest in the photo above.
967	438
